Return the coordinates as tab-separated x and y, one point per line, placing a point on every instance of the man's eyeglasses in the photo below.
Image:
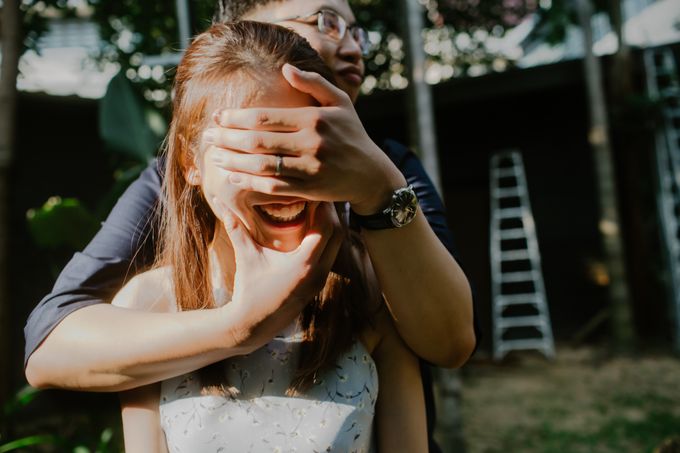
334	25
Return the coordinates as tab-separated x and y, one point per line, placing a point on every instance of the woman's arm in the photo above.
141	420
147	292
400	409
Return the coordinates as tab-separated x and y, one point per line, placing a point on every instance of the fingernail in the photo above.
292	68
217	116
235	178
217	206
210	135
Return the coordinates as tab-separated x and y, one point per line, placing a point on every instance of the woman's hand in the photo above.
271	287
327	154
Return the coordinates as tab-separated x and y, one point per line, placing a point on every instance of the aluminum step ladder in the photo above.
521	320
662	84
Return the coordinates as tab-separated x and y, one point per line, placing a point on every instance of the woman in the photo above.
315	386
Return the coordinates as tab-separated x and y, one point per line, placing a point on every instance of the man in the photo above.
320	153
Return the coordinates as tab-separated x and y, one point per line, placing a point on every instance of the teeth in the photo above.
284	213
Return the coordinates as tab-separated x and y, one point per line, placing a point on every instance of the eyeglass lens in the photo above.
335	26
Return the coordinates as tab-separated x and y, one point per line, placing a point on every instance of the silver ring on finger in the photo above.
279	166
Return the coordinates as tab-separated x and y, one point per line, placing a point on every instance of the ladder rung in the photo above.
510	213
518	299
516	277
508	192
538	343
505	172
515	233
522	321
515	255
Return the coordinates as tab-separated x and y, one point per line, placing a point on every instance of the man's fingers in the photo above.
267	119
270	185
261	142
315	85
264	164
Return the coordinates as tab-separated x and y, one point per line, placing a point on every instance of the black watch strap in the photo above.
379	221
400	212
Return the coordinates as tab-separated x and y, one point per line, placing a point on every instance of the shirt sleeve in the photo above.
124	244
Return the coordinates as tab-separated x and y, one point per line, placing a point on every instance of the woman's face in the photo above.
273	221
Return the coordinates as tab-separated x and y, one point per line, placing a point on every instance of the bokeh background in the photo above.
585	91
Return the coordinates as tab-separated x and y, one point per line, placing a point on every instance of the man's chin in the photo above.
351	90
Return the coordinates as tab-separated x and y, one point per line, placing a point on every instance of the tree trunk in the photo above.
609	224
9	34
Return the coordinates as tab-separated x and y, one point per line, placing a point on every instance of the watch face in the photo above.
404	206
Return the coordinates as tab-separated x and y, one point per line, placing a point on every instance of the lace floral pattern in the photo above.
335	415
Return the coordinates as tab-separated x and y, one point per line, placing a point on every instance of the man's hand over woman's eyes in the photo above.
327	154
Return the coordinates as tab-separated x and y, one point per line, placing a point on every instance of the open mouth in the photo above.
279	215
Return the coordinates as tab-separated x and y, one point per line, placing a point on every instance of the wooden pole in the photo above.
183	22
609	224
421	118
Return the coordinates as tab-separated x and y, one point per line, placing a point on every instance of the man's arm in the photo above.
422	255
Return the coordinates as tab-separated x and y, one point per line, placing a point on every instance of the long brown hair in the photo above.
221	57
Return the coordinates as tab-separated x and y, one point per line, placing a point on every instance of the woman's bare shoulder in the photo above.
149	291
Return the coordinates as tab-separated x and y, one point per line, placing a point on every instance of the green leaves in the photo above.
126	125
29	442
103	443
62	222
22	398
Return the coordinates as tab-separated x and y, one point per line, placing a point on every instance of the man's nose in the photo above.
349	49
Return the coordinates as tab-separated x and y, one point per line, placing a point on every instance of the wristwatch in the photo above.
400	212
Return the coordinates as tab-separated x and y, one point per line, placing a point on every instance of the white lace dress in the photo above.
335	415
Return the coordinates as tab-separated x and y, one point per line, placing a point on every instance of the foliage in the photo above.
61	223
132	132
470	15
126	124
457	36
460	39
554	21
81	442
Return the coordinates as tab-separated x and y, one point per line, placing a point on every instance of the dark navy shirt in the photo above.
125	245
